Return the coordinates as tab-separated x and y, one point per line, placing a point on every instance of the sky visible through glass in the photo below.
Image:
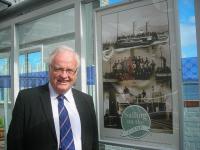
33	62
187	28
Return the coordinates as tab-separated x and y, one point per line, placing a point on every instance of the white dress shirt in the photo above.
73	115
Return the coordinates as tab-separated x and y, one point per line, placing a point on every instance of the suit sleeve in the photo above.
15	136
95	145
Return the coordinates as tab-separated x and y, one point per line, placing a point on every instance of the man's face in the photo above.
63	72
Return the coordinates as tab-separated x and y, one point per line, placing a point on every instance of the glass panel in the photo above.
5	110
37	39
5	113
22	64
31	73
34	62
5	38
50	26
4	74
187	23
4	66
190	80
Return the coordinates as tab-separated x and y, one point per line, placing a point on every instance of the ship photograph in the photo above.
136	66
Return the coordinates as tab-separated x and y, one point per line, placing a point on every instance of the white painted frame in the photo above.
157	141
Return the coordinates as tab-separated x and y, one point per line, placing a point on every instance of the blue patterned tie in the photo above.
66	136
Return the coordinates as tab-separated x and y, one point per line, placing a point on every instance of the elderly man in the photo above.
54	116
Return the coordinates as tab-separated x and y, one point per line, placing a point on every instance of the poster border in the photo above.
175	63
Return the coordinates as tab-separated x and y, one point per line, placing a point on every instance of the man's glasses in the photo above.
59	70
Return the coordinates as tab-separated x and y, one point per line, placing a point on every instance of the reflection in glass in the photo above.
22	64
34	62
4	66
55	25
5	79
5	38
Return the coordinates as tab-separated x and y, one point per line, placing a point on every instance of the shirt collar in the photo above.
54	95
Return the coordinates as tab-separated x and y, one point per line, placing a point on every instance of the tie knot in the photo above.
60	97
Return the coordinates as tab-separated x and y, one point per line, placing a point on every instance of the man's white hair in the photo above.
64	48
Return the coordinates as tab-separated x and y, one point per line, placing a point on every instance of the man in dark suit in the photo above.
35	119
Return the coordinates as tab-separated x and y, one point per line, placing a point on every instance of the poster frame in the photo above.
153	140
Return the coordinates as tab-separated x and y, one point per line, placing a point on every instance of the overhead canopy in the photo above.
23	6
4	4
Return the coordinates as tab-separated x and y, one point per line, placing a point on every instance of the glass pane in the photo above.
187	23
34	62
58	24
5	112
4	66
37	39
22	64
189	50
33	75
190	80
5	82
5	38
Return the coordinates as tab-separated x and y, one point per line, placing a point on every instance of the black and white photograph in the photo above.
136	65
135	68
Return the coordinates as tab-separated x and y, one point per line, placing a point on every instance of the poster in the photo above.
136	100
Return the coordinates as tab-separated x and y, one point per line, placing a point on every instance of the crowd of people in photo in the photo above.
129	68
163	68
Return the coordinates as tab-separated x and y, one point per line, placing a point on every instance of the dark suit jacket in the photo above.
32	125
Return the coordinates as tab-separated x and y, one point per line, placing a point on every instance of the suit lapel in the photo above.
46	105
